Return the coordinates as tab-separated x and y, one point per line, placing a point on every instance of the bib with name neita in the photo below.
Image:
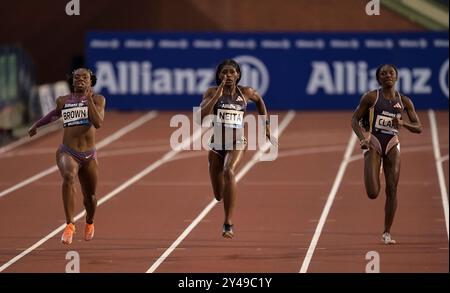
230	118
75	114
230	110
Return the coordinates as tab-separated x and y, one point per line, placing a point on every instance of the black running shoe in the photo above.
227	231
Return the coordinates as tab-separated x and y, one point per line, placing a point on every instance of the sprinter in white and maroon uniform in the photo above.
380	113
82	112
228	103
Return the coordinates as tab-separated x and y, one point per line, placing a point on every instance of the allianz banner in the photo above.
291	71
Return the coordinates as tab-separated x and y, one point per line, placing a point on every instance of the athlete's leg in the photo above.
68	167
88	175
372	163
391	165
216	173
232	160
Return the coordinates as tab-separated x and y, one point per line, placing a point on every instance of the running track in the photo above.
305	212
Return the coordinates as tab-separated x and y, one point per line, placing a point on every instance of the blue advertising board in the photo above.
306	71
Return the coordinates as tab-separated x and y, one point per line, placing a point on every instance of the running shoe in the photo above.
89	232
227	231
386	238
67	235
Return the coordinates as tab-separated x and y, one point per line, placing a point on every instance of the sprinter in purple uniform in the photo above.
82	113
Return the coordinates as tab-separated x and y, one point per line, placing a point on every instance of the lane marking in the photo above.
256	157
438	163
329	203
444	158
164	159
48	129
118	134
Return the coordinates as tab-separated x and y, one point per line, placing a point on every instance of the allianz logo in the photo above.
143	78
349	77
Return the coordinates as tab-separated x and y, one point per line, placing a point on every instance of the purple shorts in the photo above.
81	157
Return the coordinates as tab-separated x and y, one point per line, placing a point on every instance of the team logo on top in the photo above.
397	106
239	99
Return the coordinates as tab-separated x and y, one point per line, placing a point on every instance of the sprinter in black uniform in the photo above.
228	103
380	114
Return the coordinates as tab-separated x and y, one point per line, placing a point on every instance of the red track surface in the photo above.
279	205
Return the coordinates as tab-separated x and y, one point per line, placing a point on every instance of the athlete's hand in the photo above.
89	93
32	131
272	139
364	144
220	88
397	123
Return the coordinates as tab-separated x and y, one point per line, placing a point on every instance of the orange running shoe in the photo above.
67	235
89	232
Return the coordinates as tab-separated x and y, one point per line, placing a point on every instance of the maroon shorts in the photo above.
81	157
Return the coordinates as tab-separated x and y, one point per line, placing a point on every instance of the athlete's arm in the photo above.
96	108
50	117
414	125
210	99
367	101
256	98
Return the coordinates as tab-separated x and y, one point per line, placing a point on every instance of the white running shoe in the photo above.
386	238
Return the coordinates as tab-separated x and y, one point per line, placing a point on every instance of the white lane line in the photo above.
329	203
114	152
443	158
121	132
439	168
34	151
310	151
133	151
405	150
50	128
289	116
28	180
164	159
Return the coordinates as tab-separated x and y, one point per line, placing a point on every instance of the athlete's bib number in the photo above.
385	123
75	116
230	118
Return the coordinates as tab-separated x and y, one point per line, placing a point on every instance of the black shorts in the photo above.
221	150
